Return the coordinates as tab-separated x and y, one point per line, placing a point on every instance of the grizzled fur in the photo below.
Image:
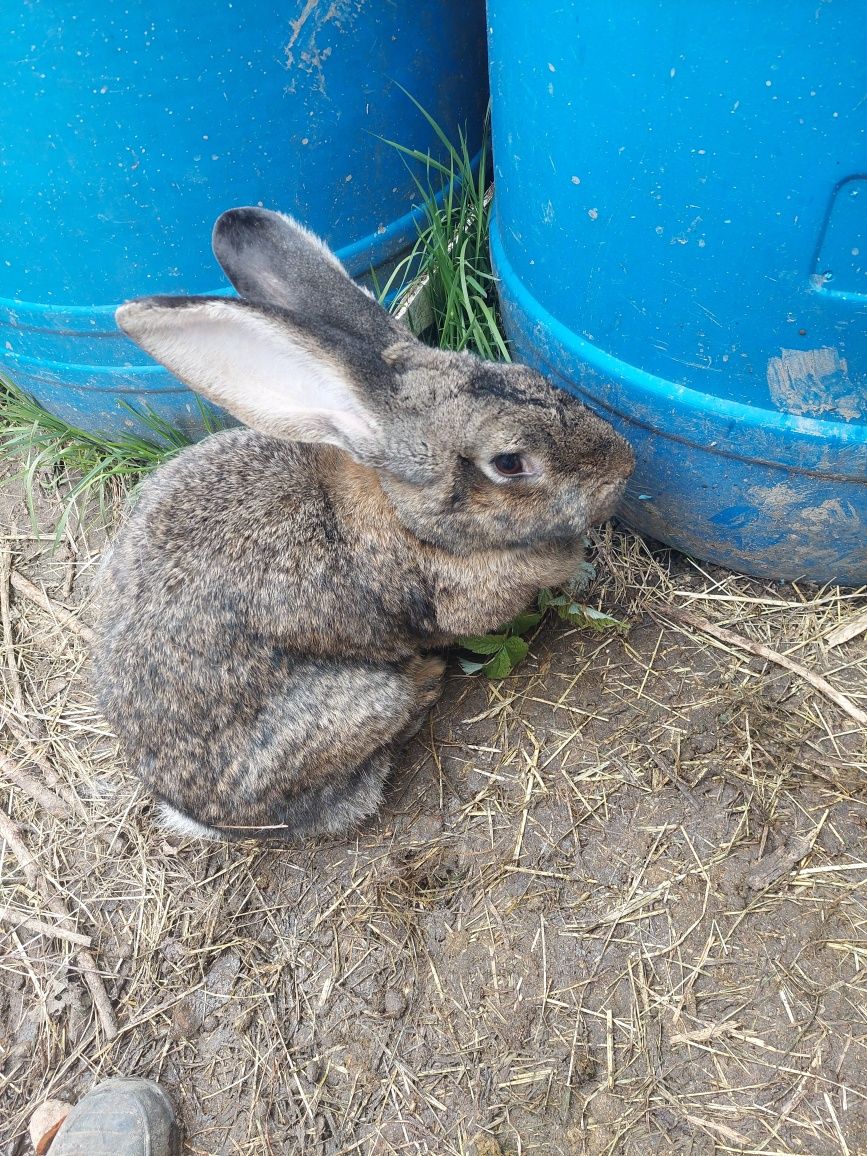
267	615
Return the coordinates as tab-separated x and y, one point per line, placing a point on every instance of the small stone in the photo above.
487	1146
436	928
45	1122
243	1021
395	1004
313	1072
186	1021
203	1002
124	949
209	1023
53	687
172	950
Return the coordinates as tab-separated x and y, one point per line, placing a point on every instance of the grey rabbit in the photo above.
270	614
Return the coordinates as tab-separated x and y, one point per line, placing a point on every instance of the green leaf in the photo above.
516	648
544	598
560	603
469	667
526	621
591	618
482	643
500	665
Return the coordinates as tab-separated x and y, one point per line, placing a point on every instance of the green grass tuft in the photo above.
91	464
451	250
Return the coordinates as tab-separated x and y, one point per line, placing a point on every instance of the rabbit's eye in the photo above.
509	465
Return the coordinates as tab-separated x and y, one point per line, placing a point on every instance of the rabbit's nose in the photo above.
605	498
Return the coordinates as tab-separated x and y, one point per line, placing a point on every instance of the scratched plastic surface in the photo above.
681	237
126	129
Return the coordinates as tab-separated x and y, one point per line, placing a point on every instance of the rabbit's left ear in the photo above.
272	259
259	365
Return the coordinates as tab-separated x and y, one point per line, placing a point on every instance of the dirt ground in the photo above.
614	904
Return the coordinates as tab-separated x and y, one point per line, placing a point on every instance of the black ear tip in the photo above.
243	214
237	225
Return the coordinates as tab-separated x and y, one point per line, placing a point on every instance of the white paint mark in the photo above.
297	25
813	382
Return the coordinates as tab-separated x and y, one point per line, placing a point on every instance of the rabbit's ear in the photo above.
256	364
272	259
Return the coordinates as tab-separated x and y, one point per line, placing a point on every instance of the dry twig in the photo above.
10	833
15	919
8	639
779	862
59	613
58	799
37	791
686	618
847	630
33	754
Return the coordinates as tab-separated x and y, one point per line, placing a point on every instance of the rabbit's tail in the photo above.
175	821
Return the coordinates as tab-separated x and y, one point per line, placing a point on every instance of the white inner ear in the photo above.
254	366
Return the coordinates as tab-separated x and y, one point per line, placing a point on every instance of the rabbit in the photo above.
271	614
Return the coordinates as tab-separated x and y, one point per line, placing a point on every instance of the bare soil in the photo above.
614	904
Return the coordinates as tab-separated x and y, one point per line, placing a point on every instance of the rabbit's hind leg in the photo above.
345	800
426	675
360	795
317	760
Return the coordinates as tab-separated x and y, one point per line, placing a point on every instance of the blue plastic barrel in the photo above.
681	238
125	130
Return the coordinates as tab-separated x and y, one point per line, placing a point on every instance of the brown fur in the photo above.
266	614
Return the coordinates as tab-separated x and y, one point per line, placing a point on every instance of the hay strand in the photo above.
687	618
59	613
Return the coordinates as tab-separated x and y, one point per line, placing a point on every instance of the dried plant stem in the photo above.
90	973
57	794
686	618
51	776
26	588
14	919
10	833
8	639
37	791
848	630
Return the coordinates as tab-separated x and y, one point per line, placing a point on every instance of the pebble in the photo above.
395	1004
45	1122
313	1072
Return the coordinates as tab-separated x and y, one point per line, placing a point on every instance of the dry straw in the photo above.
614	902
